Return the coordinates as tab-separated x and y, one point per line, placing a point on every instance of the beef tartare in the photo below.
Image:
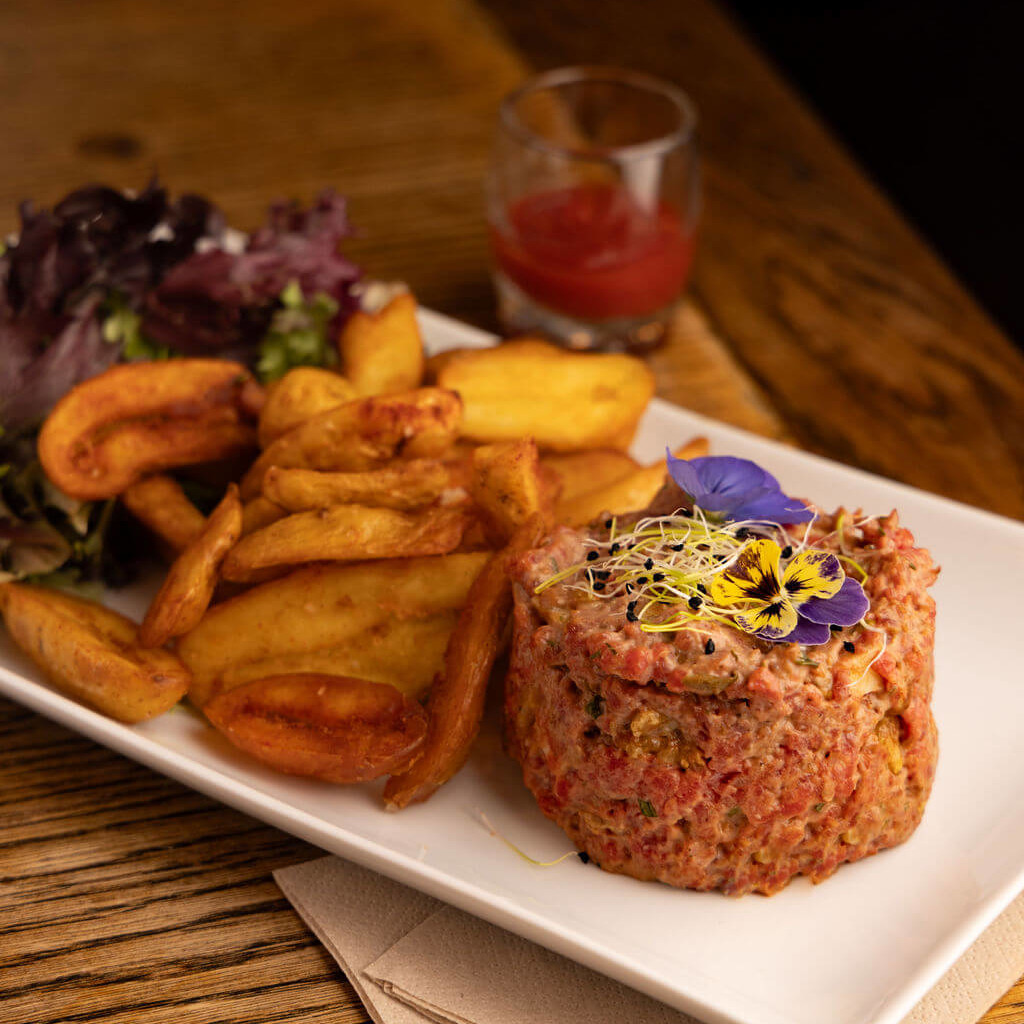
677	745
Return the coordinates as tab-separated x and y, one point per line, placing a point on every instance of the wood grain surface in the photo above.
818	316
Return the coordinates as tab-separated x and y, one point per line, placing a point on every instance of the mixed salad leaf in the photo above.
108	276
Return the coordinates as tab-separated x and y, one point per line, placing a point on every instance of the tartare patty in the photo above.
707	758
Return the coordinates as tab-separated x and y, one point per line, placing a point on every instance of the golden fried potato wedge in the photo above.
189	584
456	702
506	487
364	434
324	608
407	653
580	472
382	352
346	533
627	494
140	418
566	401
160	503
301	394
92	653
399	485
327	727
258	513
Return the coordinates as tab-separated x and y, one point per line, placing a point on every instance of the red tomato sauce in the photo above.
591	251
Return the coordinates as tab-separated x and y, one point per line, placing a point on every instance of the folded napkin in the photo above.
413	959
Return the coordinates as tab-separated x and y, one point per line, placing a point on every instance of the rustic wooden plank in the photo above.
860	339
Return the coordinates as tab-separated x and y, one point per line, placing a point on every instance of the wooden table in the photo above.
819	315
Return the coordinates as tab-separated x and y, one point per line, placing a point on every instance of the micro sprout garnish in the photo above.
512	846
697	567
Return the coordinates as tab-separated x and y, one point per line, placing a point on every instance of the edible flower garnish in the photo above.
727	488
794	605
700	566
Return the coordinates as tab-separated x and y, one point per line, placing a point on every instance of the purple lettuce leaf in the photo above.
216	300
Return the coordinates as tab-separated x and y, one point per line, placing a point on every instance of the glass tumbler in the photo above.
593	197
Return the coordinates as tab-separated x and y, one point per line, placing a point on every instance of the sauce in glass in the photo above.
591	251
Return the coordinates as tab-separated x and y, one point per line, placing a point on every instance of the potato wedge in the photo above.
92	653
327	727
258	513
586	471
566	401
364	434
506	487
189	584
160	504
407	653
323	608
299	395
140	418
382	352
346	533
456	702
629	493
399	485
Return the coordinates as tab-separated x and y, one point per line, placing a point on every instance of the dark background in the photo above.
928	97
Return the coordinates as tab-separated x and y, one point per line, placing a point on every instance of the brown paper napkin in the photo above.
414	959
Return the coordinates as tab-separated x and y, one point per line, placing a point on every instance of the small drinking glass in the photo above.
592	201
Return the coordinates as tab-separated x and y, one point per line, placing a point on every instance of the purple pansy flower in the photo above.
735	489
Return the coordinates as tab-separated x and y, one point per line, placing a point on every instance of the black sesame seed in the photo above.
835	628
607	524
787	551
584	856
591	556
678	547
631	616
658	577
695	601
599	585
642	580
709	647
702	588
632	605
848	646
649	564
629	588
614	549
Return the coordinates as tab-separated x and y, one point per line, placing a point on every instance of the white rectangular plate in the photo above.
863	947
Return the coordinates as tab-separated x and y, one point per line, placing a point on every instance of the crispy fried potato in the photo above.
586	471
407	653
92	653
456	703
326	609
160	503
346	533
299	395
188	587
506	487
627	494
327	727
139	418
364	434
258	513
382	352
399	485
566	401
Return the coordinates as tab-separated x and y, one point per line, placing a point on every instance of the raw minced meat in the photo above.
736	764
